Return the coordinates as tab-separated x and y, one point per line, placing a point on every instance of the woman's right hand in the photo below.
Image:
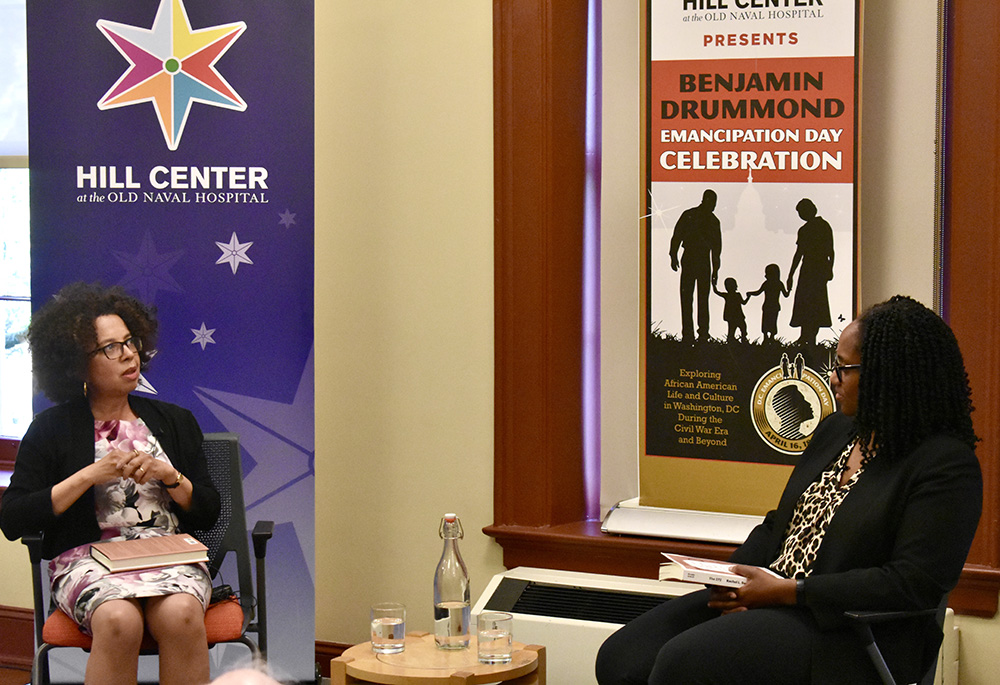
724	599
68	491
107	468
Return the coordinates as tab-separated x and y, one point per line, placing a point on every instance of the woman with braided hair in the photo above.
878	514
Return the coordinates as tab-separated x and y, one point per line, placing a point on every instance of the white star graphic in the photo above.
202	336
234	253
287	218
145	386
657	213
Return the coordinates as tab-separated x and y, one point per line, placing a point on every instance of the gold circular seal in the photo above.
788	403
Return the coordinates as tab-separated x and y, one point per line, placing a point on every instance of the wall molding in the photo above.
8	450
325	651
18	644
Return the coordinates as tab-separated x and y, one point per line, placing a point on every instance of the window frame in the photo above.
8	446
539	97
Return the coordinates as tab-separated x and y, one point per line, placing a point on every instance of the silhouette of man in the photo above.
698	232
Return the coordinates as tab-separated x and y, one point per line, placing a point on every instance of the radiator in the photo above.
571	614
947	664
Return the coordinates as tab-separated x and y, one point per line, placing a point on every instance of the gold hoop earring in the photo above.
85	388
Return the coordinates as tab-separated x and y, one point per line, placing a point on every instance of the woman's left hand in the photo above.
761	589
142	467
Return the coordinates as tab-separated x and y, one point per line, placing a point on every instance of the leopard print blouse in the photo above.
812	515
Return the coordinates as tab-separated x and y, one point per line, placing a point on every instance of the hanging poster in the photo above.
171	153
749	240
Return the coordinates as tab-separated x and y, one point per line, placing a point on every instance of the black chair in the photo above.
862	622
228	620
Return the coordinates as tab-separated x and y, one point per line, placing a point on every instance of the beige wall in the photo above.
404	301
404	292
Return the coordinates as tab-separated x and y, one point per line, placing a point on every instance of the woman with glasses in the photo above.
106	464
878	514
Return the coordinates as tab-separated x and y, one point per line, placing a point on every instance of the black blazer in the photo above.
60	441
897	542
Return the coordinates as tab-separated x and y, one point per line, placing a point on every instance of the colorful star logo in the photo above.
171	66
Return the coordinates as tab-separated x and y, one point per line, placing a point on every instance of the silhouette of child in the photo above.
773	290
733	312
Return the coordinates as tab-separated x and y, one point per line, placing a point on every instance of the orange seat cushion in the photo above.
62	631
223	623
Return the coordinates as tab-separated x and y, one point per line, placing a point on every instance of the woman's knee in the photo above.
620	662
628	655
175	616
119	620
678	663
606	665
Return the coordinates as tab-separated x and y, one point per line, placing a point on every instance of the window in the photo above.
15	303
15	277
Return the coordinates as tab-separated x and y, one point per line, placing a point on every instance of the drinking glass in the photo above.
496	638
388	627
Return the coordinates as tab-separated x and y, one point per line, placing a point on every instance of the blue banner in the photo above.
171	152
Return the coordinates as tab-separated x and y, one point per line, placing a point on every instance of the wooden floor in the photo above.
10	676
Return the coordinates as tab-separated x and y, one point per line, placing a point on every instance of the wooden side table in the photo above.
422	663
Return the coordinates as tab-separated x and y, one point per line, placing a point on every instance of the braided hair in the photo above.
62	334
913	383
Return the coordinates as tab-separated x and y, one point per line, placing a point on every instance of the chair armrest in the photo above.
862	622
262	532
883	616
33	541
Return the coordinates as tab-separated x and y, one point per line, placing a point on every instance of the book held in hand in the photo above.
140	553
705	571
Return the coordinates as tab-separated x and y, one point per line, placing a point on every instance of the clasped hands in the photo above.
761	589
139	466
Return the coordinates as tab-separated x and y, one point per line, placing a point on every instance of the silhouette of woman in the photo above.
814	250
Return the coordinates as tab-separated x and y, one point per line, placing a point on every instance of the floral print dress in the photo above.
125	510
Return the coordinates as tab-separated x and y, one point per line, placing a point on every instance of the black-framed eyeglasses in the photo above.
116	350
839	370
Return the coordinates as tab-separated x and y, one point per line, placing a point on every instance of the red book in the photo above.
164	550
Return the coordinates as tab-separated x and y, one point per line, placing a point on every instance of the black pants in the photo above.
683	641
695	278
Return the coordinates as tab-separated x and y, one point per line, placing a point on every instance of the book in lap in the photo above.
133	555
705	571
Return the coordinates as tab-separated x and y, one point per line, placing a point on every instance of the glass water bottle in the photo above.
451	590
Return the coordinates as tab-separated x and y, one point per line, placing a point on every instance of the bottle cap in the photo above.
451	527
